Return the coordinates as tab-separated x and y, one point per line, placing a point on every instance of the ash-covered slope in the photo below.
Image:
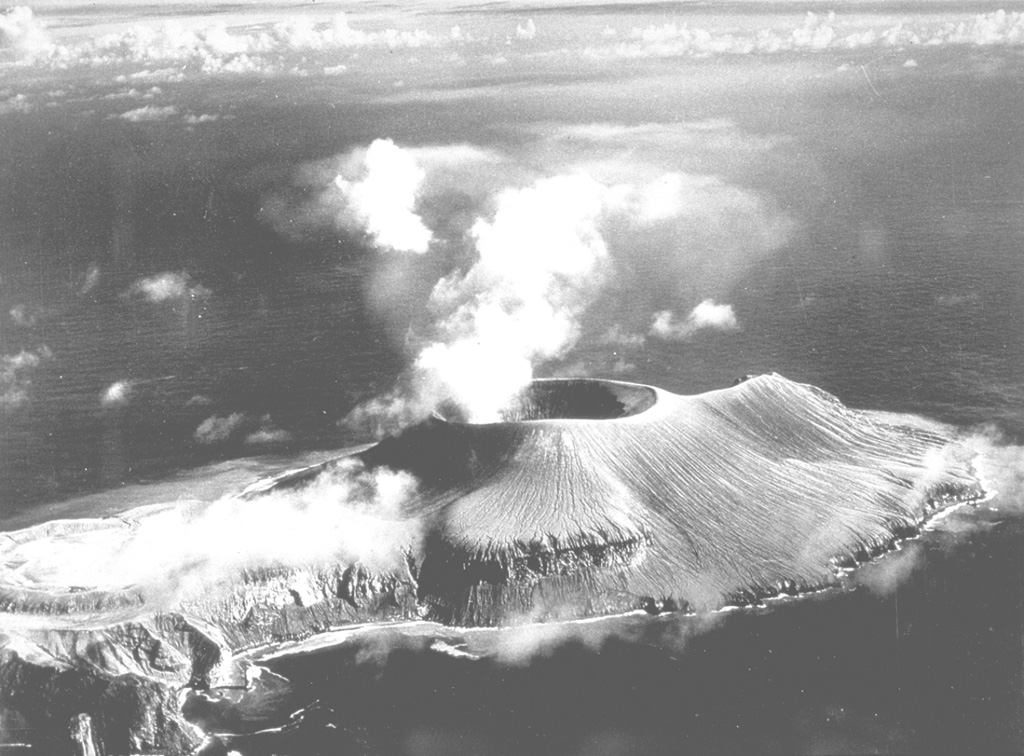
641	497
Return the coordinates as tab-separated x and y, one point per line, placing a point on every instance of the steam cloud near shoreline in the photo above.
180	549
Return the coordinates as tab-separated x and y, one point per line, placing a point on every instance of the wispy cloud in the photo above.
148	114
16	376
527	30
541	259
194	119
216	429
166	287
16	103
706	316
159	76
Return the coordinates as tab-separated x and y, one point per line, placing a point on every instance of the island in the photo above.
589	498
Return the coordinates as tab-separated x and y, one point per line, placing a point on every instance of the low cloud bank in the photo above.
303	45
213	48
817	33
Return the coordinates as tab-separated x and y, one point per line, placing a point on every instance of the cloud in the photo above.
958	300
541	259
28	316
193	119
166	287
707	315
134	94
378	187
16	103
527	30
528	256
305	34
180	550
217	430
161	287
618	335
267	437
359	191
148	114
90	280
174	49
675	194
267	434
15	376
815	33
520	257
160	75
22	33
116	394
171	50
537	262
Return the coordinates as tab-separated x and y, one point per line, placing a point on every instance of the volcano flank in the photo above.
598	496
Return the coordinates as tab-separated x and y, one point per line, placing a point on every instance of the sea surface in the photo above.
169	331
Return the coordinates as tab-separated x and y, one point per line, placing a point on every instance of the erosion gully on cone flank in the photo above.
589	498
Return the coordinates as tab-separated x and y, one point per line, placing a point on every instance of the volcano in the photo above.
588	498
594	496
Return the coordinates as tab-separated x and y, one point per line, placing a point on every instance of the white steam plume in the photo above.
541	261
378	187
347	514
1000	465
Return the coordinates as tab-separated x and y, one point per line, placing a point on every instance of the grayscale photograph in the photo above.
513	378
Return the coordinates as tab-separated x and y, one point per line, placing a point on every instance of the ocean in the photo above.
191	304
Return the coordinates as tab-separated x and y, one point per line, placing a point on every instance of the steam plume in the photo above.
541	259
174	551
379	187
